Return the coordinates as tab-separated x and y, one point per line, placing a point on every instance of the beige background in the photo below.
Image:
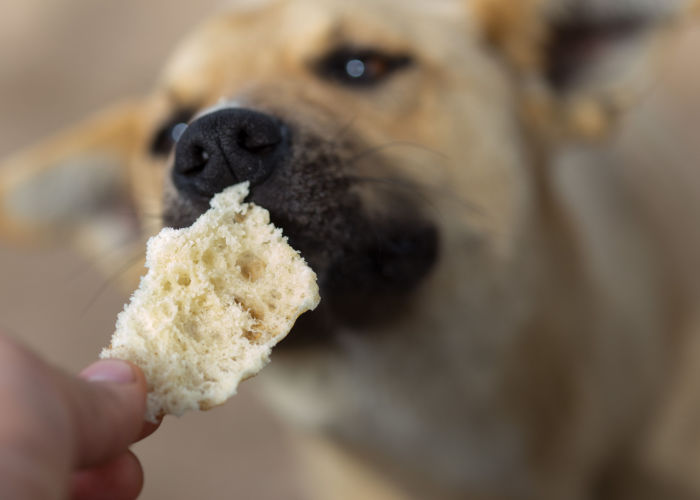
60	60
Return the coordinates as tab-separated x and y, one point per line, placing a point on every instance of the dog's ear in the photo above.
77	185
580	62
516	29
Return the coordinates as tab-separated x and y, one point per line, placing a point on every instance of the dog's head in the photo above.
399	146
348	131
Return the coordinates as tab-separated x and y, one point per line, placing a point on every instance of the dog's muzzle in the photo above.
369	256
226	147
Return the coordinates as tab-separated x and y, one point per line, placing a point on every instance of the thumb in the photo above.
106	407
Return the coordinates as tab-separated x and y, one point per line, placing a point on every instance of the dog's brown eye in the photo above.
167	135
360	67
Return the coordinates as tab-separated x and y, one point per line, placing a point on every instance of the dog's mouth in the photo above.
367	268
369	256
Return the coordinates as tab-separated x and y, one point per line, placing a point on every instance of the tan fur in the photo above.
550	352
518	28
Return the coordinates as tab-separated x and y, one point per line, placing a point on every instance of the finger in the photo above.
119	479
56	422
148	429
106	410
35	431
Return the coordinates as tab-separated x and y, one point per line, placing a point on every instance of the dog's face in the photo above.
352	134
389	153
385	142
390	142
399	187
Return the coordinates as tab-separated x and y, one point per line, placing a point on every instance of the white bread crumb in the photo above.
217	297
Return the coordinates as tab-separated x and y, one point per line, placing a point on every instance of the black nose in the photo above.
226	147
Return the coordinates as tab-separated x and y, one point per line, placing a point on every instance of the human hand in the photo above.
63	436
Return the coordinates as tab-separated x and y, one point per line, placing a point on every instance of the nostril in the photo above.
197	161
228	146
259	140
202	154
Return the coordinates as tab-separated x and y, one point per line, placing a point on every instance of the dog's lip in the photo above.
371	285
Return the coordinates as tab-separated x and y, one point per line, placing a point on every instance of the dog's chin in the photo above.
367	269
368	287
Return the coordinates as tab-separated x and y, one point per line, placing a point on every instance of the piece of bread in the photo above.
217	296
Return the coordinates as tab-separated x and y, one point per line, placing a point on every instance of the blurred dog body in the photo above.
507	259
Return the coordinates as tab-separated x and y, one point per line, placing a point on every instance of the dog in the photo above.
501	317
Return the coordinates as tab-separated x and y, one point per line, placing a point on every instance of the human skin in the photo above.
65	436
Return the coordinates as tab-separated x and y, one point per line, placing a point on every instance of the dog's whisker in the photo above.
131	262
125	246
136	215
440	192
152	216
395	144
409	187
420	191
343	130
139	244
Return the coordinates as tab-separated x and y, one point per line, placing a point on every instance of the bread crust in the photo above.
217	297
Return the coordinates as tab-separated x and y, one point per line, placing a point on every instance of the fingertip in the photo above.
108	409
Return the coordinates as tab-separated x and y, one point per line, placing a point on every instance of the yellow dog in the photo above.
500	319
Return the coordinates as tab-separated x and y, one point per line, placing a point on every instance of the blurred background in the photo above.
60	60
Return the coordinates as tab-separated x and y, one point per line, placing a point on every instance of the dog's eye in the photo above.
167	135
360	67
